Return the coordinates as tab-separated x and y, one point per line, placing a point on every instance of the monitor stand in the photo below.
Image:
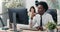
14	23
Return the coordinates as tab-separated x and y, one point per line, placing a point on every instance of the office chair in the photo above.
53	12
2	22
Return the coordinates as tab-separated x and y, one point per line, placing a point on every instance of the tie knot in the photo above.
41	16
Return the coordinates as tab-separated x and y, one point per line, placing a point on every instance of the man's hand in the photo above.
40	28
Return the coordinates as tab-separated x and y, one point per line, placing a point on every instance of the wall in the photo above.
30	3
3	13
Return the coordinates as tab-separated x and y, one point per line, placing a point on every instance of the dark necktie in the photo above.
41	28
41	21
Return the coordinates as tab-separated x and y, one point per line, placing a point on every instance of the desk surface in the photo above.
22	31
32	31
26	30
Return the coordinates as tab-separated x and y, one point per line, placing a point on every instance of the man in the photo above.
42	17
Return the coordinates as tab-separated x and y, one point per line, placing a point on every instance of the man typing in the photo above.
41	18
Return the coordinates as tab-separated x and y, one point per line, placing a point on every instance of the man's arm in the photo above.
51	19
33	22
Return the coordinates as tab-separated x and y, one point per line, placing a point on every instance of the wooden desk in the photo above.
58	28
33	31
22	31
10	30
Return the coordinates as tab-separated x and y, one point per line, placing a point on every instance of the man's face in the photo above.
41	9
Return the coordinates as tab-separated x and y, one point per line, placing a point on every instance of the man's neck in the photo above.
41	14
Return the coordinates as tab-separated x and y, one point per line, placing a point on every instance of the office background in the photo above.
53	4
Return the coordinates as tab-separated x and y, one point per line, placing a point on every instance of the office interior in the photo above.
7	5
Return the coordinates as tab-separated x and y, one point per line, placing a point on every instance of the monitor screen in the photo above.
21	15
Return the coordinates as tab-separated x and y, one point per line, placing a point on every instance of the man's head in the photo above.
42	7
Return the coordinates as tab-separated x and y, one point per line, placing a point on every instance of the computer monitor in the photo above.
21	15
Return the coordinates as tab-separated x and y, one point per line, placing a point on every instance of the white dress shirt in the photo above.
46	17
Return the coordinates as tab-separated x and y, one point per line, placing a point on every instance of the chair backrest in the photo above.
2	22
53	12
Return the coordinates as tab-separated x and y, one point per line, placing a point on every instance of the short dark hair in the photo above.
33	8
44	4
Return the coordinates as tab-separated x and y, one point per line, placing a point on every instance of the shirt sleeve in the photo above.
34	21
51	19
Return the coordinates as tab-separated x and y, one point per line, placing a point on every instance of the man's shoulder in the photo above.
36	16
48	14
